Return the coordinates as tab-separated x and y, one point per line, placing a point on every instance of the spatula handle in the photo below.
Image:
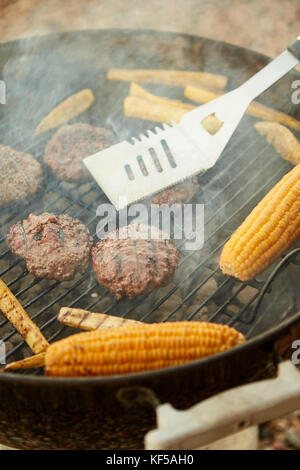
269	75
294	47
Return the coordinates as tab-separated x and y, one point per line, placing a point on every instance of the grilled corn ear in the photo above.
38	360
282	139
78	318
169	77
15	313
271	228
138	348
67	110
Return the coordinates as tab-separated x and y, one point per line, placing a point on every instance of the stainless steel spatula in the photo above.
160	158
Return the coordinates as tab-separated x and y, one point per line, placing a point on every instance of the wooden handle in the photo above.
226	413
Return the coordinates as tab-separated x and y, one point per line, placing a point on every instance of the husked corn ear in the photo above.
138	348
271	228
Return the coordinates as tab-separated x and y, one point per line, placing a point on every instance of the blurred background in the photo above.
265	26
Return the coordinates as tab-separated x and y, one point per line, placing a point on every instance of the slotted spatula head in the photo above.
130	171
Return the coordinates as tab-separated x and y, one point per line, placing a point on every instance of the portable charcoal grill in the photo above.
115	412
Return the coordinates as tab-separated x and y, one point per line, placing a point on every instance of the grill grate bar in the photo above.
219	288
191	293
49	305
174	289
81	296
221	208
14	215
15	263
243	310
242	172
227	302
39	280
46	291
236	159
212	253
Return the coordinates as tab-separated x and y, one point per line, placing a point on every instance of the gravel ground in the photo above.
281	434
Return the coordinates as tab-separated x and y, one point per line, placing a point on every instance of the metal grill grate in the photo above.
199	291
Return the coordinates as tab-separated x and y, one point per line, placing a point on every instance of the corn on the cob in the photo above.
67	110
15	313
169	77
76	318
271	228
38	360
85	320
138	348
282	139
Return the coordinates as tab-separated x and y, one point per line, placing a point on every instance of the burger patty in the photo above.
130	266
177	194
70	145
20	175
53	247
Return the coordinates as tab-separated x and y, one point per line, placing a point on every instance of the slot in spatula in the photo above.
159	158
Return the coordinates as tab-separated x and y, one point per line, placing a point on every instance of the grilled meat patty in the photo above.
177	194
20	175
131	266
53	247
70	145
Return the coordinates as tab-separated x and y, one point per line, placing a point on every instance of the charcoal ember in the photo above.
95	295
185	311
202	315
246	295
14	341
165	309
103	305
233	309
15	271
201	294
206	312
187	269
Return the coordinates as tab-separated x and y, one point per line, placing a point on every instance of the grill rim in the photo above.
266	337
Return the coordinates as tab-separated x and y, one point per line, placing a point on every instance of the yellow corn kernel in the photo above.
271	228
138	348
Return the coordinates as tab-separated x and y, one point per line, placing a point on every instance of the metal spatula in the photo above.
160	158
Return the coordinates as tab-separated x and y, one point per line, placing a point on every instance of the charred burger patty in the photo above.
53	247
70	145
20	175
130	266
177	194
